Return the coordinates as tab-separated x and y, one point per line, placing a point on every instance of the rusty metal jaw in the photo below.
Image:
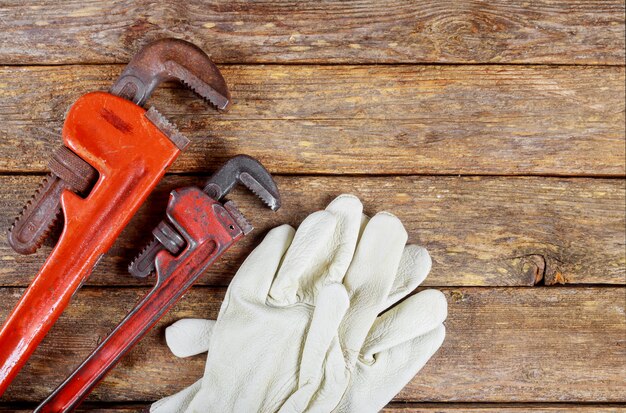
172	59
249	172
33	225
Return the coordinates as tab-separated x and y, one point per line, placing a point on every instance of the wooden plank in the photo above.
391	31
485	120
479	231
502	345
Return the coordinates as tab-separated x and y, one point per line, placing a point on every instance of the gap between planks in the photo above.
485	231
502	345
358	120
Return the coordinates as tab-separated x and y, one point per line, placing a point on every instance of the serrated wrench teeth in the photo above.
143	265
248	171
32	226
263	193
168	128
172	59
34	223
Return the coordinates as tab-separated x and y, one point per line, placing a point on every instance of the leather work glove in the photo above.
355	363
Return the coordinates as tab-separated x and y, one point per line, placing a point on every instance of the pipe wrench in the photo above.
114	153
198	228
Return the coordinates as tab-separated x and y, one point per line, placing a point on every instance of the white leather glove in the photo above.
285	296
348	376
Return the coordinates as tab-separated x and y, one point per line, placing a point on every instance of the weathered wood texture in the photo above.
483	231
337	108
504	344
483	120
390	31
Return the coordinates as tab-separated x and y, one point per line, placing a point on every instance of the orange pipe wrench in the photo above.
126	150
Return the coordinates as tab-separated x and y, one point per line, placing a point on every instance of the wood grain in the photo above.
390	31
479	231
506	344
485	120
391	100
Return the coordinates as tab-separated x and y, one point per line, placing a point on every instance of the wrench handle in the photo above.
175	275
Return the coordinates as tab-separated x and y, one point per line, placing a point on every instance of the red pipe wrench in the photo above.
197	230
115	153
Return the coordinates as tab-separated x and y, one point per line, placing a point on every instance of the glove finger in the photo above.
414	317
256	274
349	212
322	358
189	336
325	396
392	369
332	304
414	266
178	402
370	277
320	252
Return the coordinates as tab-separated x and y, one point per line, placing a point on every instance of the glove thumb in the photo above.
176	403
189	336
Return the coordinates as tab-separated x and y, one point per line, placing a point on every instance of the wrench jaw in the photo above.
40	214
239	218
245	170
172	59
168	128
168	235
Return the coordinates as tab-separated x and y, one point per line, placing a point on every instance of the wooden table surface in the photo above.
493	129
